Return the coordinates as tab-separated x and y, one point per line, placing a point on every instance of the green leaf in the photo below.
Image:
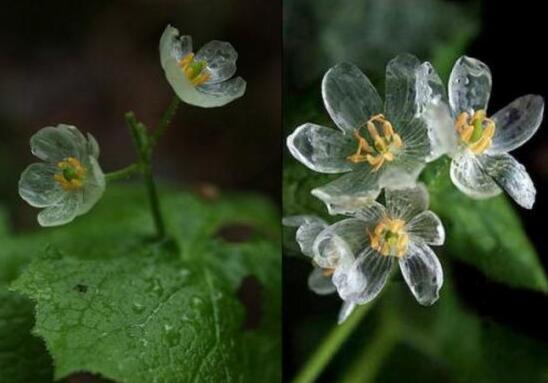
112	302
486	234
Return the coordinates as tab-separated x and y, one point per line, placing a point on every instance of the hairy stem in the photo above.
167	117
123	173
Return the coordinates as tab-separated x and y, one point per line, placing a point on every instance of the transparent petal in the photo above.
173	47
319	283
375	269
220	57
401	89
94	186
469	86
349	282
511	176
401	174
516	123
321	149
416	142
406	203
336	245
346	309
219	94
371	214
54	144
426	227
349	97
38	187
93	147
61	213
308	229
349	192
422	272
468	176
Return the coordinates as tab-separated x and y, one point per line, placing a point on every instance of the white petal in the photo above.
349	97
375	269
406	203
62	212
469	86
426	227
93	147
172	46
512	177
401	174
319	283
349	192
346	309
220	57
467	175
54	144
38	187
94	186
349	282
219	94
516	123
371	214
308	229
401	91
422	271
322	149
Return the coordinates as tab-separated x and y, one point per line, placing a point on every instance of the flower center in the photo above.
72	174
389	237
382	148
194	70
475	131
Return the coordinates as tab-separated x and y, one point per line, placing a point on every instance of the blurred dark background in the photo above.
88	62
509	38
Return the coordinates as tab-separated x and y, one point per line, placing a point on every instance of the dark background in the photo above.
511	41
88	62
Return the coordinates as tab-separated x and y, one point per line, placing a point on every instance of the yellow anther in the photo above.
195	71
382	148
327	272
475	131
72	174
389	237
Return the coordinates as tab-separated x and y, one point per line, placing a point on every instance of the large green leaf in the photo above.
111	301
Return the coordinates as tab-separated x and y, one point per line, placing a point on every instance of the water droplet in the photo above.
173	337
138	308
196	301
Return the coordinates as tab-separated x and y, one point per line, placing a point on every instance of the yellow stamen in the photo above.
383	147
72	174
327	272
475	131
389	237
195	71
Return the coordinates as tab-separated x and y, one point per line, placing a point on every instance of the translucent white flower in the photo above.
201	79
320	279
69	181
376	145
481	166
376	237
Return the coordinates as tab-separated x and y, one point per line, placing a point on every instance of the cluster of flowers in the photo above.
385	147
70	181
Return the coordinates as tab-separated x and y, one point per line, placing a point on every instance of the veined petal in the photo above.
349	192
319	283
401	174
516	123
426	227
406	203
220	57
321	149
308	228
375	269
349	282
54	144
422	272
38	187
371	214
94	186
468	176
401	89
511	176
172	46
469	86
346	309
63	212
219	94
349	97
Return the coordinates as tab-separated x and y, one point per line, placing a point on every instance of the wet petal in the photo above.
349	97
346	309
173	47
219	94
467	175
516	123
375	269
308	229
94	186
469	86
349	192
422	272
401	89
38	187
221	58
322	149
319	283
426	227
61	213
512	177
349	282
371	214
401	174
406	203
54	144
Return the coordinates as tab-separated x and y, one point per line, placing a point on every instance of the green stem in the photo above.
123	173
167	117
330	345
